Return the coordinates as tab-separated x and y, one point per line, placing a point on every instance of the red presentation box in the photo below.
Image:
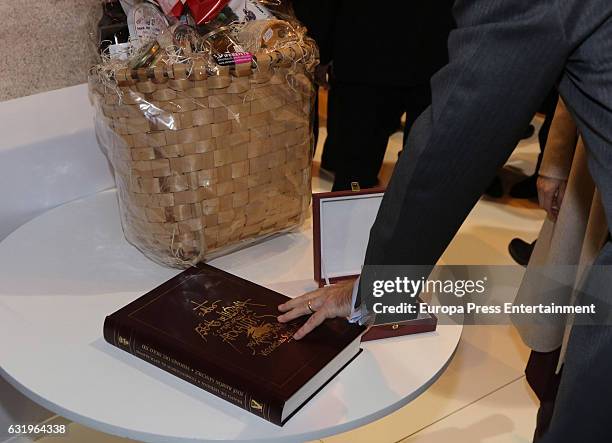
341	228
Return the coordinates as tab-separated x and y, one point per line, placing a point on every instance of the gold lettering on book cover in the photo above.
241	326
256	405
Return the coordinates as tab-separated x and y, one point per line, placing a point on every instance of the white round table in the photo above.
63	272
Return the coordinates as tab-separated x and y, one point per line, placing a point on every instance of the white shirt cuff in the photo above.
356	311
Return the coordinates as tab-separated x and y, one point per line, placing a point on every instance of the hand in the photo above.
550	194
329	302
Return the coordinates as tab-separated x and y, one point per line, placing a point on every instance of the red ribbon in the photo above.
206	10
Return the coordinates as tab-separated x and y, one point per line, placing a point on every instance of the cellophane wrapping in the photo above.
208	159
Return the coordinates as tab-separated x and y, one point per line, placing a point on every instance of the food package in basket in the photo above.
210	153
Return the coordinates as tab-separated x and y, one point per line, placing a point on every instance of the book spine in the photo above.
161	353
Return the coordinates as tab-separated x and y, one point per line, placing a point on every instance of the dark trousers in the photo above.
547	108
544	381
361	117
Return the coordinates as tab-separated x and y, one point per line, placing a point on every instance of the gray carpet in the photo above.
45	44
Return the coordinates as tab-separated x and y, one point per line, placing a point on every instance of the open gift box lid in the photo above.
341	230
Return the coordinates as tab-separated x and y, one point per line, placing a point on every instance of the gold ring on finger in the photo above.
312	311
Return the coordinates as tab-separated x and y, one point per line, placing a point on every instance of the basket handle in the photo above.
196	70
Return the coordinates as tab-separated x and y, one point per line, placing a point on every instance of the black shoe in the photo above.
526	188
495	189
521	251
528	132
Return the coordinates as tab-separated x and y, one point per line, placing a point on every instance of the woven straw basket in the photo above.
205	163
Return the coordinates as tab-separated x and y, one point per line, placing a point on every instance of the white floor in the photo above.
482	396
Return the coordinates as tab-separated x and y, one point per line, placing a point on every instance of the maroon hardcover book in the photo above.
220	333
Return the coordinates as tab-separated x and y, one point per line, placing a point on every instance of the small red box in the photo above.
341	225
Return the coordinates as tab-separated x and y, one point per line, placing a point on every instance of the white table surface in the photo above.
63	272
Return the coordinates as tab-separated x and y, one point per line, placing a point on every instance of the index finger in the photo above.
546	199
297	301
